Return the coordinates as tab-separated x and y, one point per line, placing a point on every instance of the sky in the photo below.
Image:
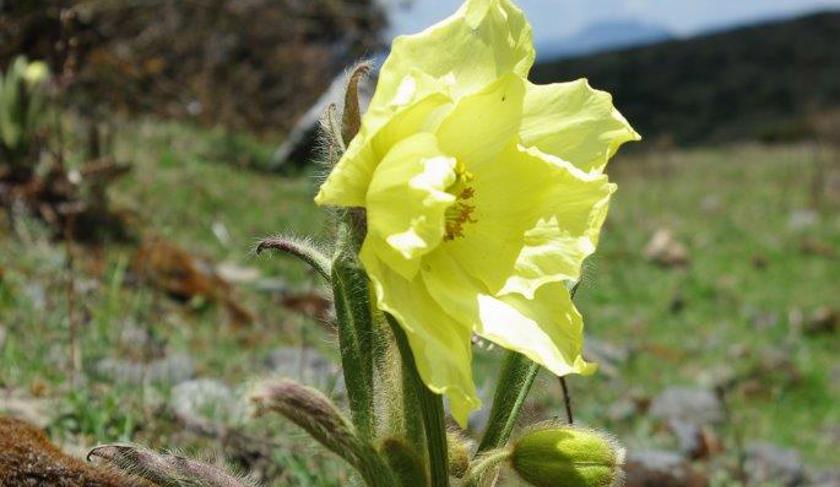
556	19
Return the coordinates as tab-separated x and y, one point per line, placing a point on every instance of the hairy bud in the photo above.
459	454
351	120
303	249
404	461
164	469
318	416
567	457
312	411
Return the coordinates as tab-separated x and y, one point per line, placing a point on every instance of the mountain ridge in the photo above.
602	36
761	81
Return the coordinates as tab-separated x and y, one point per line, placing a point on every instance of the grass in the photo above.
730	206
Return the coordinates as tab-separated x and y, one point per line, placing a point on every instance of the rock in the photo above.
121	370
206	405
308	366
711	203
664	250
825	478
608	356
802	219
622	410
693	441
222	234
657	468
134	337
689	437
172	369
770	372
36	295
691	405
721	376
765	321
765	463
274	285
236	274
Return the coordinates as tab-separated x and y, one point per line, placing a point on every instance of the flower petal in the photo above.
547	329
407	198
575	123
348	182
482	41
441	346
536	218
483	123
555	247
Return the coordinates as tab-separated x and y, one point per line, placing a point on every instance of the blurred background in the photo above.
162	138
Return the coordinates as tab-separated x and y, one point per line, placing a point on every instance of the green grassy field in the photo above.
732	311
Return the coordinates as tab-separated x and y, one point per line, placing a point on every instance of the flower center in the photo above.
461	212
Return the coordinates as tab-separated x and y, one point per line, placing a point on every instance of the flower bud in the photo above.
35	73
312	411
351	119
404	461
567	457
164	468
458	448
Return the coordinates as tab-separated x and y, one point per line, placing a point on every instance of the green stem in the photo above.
484	465
515	381
375	470
431	407
355	326
396	391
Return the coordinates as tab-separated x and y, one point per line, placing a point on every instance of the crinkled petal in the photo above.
575	123
483	123
547	329
407	198
348	182
482	41
555	247
536	219
441	345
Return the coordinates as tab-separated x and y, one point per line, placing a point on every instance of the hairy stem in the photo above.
485	465
395	390
355	326
515	381
431	407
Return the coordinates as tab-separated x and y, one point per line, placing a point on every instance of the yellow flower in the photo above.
483	192
35	73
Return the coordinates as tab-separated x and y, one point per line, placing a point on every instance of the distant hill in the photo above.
761	81
603	36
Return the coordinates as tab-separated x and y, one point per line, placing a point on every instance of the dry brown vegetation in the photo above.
246	64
